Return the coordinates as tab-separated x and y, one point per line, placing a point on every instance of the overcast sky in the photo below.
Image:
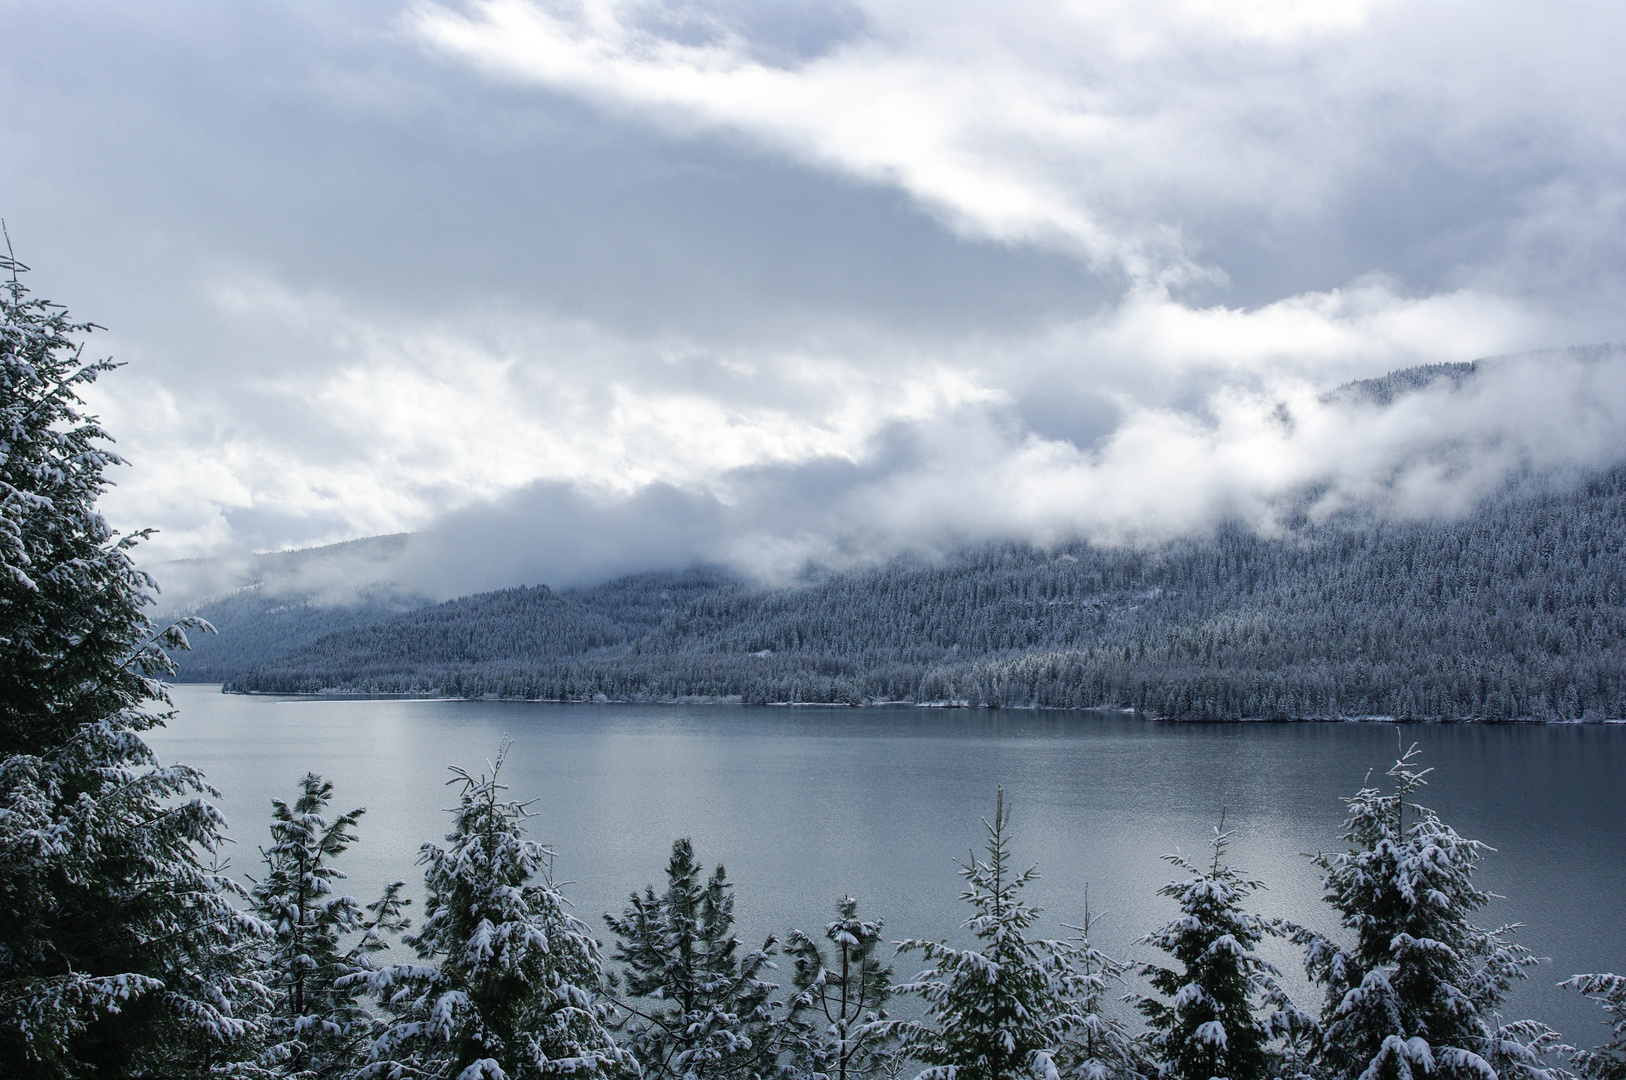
580	287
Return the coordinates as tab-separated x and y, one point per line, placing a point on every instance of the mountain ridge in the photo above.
1516	610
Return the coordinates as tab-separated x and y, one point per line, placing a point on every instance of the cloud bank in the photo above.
1249	457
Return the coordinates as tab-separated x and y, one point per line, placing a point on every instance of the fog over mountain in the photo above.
1421	444
1433	453
1324	603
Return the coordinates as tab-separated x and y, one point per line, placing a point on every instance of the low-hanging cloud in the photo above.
407	420
976	475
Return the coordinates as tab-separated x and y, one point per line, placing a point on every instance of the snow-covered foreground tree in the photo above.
121	952
509	989
1098	1045
1224	1008
700	1009
1012	1006
1607	1062
317	1027
1415	993
836	1017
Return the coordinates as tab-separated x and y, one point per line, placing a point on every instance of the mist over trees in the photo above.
1516	611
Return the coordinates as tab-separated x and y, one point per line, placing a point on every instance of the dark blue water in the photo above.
803	805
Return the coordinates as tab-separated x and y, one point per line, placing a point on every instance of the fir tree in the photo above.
1414	994
837	1010
702	1010
121	952
510	985
319	1027
1607	1062
1005	1009
1097	1045
1209	1026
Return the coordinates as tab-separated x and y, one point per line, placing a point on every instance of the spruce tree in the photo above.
1006	1008
1607	1062
837	1010
1207	1023
1097	1045
510	984
322	942
699	1009
1413	994
121	952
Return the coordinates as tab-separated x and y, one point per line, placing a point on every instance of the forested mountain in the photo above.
253	625
269	604
1386	388
1517	611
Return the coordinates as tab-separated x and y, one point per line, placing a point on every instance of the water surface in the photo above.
805	804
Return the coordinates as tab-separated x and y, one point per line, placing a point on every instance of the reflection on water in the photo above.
803	805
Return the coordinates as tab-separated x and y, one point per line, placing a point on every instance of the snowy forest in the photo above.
129	950
1513	612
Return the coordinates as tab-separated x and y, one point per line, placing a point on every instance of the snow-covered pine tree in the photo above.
1097	1045
700	1009
1607	1062
1210	1025
317	1026
1414	994
121	952
1007	1008
837	1011
509	989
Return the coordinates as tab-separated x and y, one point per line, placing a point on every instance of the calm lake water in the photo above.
805	804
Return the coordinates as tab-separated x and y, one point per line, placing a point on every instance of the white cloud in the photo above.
403	421
1248	457
1120	132
406	422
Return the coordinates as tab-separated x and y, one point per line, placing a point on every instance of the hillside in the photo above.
269	604
1514	612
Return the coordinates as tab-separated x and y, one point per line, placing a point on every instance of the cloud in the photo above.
405	420
1135	136
1250	457
647	282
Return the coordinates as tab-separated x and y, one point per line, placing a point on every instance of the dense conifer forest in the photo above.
1517	611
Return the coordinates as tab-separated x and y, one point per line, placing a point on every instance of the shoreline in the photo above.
735	699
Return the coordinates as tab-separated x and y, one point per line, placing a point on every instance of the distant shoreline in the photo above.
734	699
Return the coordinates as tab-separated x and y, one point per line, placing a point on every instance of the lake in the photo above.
805	804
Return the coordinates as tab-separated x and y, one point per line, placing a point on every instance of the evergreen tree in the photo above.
1006	1008
1097	1045
510	987
1209	1025
1414	994
838	1007
319	1028
702	1010
121	952
1607	1062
